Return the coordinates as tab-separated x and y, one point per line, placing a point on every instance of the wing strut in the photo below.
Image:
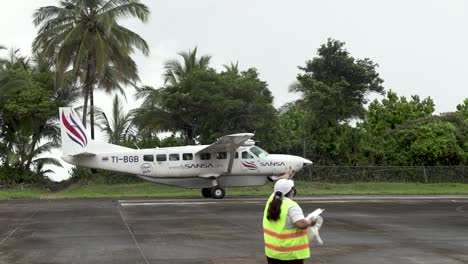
232	154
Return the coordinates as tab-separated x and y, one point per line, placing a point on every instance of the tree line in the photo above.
80	47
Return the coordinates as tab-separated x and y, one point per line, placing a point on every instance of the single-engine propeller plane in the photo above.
232	161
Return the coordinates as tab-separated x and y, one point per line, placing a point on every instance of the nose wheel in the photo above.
215	192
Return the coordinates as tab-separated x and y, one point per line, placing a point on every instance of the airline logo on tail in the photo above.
77	136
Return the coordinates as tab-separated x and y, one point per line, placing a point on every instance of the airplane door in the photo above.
161	166
173	164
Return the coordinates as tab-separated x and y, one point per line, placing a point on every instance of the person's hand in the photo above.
290	172
311	222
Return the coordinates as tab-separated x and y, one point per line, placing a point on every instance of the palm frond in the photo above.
130	8
131	38
47	161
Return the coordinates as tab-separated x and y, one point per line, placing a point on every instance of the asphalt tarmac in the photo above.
391	229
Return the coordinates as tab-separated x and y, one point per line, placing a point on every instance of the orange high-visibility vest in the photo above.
281	243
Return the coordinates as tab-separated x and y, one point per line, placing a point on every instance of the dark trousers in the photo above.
277	261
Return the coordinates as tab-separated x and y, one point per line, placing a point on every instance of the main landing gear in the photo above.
216	192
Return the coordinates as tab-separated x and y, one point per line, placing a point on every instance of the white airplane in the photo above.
232	161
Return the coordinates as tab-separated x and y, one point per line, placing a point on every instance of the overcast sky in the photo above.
421	46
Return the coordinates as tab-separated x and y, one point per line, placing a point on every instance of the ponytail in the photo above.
274	209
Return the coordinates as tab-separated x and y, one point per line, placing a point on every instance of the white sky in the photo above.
420	45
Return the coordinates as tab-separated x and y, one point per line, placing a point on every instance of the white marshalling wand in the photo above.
314	230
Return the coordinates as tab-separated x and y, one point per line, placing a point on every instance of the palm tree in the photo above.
119	128
85	35
15	61
232	68
22	132
176	71
154	115
21	149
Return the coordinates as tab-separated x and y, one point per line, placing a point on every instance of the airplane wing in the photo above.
228	143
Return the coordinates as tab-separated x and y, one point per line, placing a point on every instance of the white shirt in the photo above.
294	214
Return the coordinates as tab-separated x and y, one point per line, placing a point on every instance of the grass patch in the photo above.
147	189
21	193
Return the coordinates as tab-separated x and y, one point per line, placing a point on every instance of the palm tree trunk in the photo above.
89	86
35	139
85	105
91	111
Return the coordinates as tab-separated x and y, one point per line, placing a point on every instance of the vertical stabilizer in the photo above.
74	135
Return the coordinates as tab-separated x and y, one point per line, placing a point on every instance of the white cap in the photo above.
284	186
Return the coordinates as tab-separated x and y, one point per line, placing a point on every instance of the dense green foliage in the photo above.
28	110
202	104
80	47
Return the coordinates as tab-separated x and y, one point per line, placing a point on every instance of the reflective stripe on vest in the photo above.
287	249
281	243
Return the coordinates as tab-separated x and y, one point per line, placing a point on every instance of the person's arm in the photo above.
298	219
303	223
287	175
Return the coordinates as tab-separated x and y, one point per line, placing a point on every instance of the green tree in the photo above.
206	104
395	111
334	85
28	114
424	142
287	133
384	117
175	71
14	60
463	108
119	128
86	35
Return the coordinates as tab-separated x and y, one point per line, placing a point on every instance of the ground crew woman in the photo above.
285	227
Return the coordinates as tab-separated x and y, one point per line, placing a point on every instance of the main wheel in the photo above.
206	192
217	192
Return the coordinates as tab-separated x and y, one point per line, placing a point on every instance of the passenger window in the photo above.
221	155
173	157
205	156
237	155
187	156
161	157
148	157
246	155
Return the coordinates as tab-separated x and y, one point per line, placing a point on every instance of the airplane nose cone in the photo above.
306	162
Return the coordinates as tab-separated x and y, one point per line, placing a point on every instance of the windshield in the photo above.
258	152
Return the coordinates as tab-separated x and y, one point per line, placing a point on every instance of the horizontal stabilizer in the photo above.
84	154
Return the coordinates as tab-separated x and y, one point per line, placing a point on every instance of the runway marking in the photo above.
303	200
133	236
18	227
218	203
319	199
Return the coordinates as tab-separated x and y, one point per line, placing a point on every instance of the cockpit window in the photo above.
246	155
258	152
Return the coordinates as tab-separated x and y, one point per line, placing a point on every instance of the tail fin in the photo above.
74	136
